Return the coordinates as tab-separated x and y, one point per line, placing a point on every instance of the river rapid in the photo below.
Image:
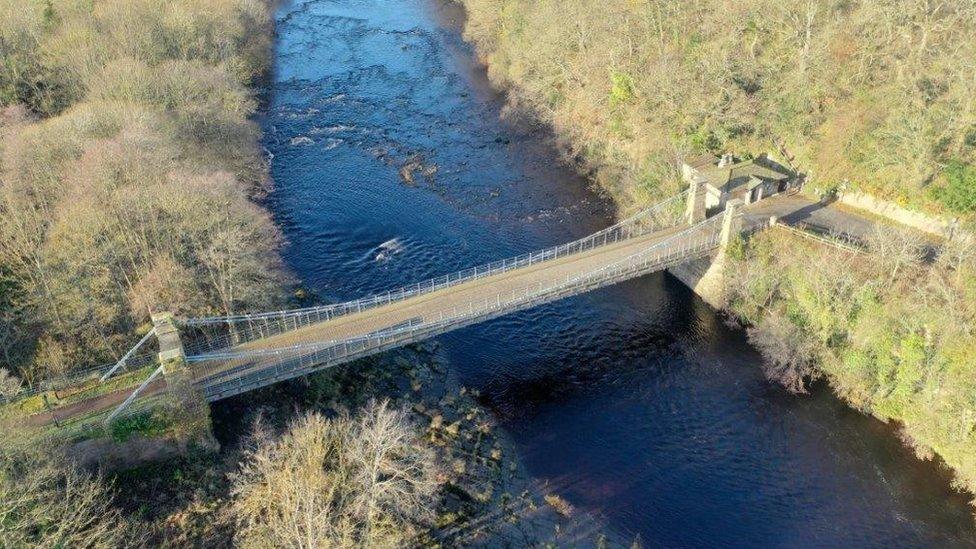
393	162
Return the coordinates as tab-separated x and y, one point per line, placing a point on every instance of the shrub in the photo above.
958	193
45	501
621	88
362	481
789	353
23	77
9	385
149	423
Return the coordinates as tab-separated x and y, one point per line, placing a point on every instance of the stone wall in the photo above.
706	277
889	210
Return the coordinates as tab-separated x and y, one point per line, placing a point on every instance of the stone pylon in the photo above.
695	210
731	221
706	276
190	407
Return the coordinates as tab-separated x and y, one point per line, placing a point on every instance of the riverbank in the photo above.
892	335
486	497
131	166
632	107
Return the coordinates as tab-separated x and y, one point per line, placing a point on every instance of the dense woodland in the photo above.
127	167
894	334
880	93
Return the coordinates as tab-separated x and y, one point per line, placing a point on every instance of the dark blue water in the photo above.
636	402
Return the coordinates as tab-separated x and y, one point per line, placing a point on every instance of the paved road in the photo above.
838	219
794	209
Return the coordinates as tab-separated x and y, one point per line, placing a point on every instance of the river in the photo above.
393	162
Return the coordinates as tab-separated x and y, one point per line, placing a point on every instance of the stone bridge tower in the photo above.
191	409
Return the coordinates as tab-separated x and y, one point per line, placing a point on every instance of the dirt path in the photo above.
91	405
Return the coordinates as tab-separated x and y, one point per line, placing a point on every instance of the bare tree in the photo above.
45	501
343	482
788	352
9	384
957	255
896	249
393	476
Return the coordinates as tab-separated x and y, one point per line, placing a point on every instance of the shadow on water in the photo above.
393	164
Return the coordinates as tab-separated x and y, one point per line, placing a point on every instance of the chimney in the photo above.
726	160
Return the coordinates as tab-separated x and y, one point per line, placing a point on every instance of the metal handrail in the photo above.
208	356
489	269
216	385
243	328
76	377
839	241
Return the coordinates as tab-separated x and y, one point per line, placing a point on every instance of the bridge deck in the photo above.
223	370
434	306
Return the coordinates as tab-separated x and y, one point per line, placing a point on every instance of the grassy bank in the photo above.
875	92
893	336
128	165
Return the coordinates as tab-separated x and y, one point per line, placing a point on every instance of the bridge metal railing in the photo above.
839	240
231	372
238	329
81	378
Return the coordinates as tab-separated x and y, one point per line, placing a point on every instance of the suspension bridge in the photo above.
229	355
255	350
